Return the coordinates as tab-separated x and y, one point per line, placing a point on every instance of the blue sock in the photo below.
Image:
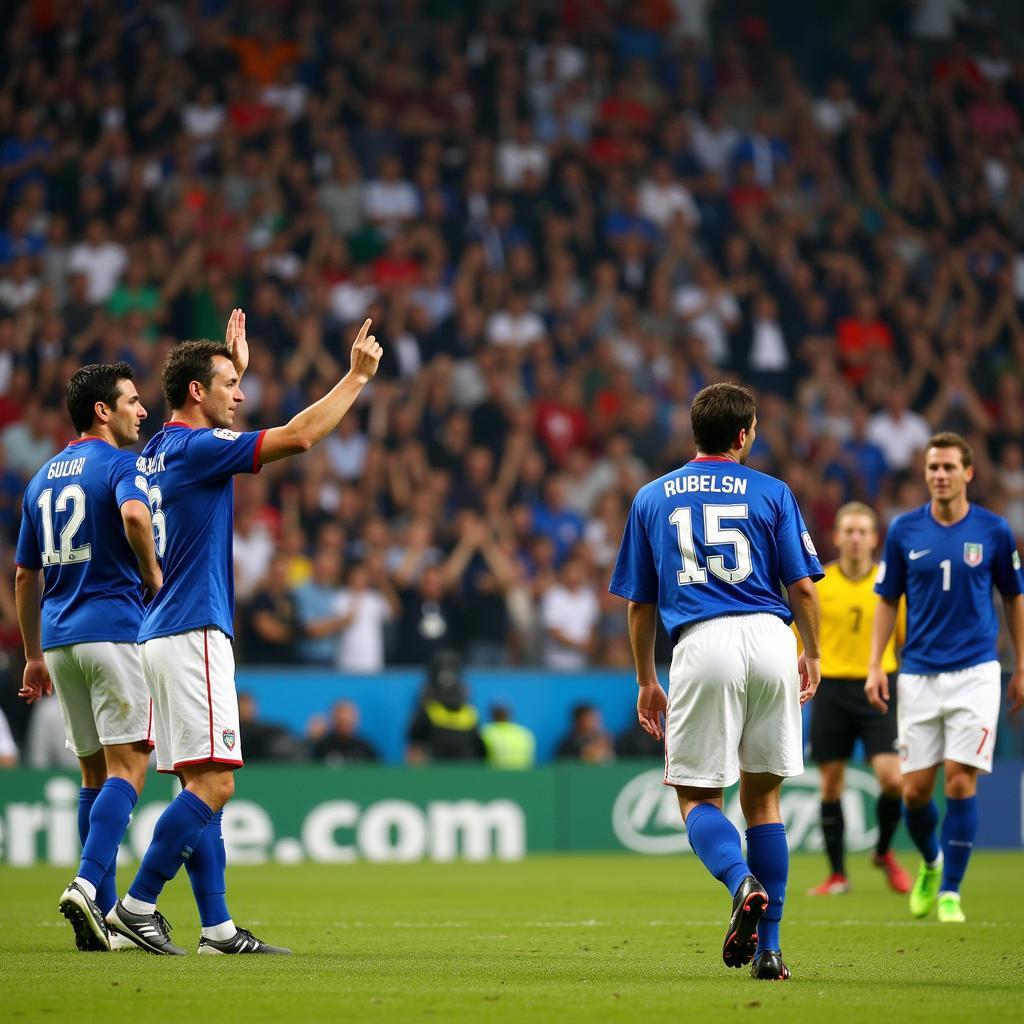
177	833
86	798
717	843
768	857
206	873
108	819
921	824
959	828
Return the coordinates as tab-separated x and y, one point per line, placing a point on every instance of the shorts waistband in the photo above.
697	627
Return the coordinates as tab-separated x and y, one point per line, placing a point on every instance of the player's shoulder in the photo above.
910	519
990	520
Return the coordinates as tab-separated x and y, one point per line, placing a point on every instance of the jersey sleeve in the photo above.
635	576
27	553
1006	571
891	579
128	481
217	453
798	557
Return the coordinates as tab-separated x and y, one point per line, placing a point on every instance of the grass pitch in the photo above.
565	939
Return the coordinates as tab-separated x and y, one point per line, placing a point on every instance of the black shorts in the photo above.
841	715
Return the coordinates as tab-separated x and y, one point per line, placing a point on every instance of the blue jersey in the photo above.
71	528
710	539
947	573
191	495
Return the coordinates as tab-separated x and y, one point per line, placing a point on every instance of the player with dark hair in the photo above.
707	546
841	715
946	557
187	629
86	523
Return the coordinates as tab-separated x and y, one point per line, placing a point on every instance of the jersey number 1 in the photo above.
714	534
74	496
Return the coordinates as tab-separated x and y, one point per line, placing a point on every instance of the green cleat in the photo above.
926	888
949	908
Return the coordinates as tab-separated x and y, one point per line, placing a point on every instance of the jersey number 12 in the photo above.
74	496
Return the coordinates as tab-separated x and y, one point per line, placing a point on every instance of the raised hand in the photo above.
235	340
366	353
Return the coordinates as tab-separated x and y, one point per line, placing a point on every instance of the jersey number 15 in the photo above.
714	535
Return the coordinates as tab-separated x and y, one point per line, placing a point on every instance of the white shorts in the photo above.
948	716
734	702
102	695
195	710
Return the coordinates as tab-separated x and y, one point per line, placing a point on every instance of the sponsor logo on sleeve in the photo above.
809	544
143	485
226	435
1015	560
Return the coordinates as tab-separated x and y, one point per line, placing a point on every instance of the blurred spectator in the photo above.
342	744
362	612
569	612
272	621
264	741
315	604
634	742
509	745
8	749
587	740
45	741
445	727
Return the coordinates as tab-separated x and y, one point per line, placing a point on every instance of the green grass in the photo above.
565	939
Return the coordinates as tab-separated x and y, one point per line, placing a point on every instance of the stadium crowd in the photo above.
564	219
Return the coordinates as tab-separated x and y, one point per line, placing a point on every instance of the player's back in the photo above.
192	500
723	538
72	529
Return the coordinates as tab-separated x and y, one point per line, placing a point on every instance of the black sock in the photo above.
889	809
832	830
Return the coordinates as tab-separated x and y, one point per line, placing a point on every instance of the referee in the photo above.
841	714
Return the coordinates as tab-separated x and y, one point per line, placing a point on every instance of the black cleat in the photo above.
243	941
91	935
768	966
150	932
749	903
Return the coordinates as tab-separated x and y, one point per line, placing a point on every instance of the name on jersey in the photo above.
66	467
706	483
151	465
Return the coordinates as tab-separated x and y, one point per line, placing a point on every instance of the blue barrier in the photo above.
542	701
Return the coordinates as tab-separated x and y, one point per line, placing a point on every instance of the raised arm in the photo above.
316	421
806	609
36	680
236	342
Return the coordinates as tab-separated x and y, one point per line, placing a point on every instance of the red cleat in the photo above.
898	879
834	885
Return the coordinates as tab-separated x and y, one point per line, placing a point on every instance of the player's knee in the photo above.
915	794
960	785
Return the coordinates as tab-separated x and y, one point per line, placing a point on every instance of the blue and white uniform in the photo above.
949	683
71	528
713	544
186	632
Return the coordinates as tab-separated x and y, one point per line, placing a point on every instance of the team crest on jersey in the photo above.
809	544
1015	560
973	554
228	735
226	435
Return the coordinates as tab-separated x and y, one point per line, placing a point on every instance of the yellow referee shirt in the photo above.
847	613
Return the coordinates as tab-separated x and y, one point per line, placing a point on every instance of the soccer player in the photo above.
841	714
709	546
186	630
945	557
86	523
